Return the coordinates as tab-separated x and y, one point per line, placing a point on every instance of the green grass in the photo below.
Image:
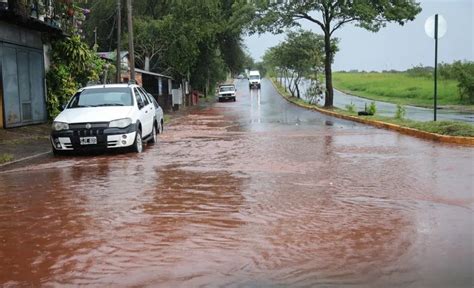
166	119
450	128
5	157
398	88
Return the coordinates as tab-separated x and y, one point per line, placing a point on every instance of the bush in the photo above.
401	112
420	71
372	108
74	65
464	74
315	92
351	108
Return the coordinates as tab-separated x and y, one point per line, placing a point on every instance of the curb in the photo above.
24	159
467	141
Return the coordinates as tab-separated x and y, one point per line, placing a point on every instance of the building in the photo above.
168	92
23	42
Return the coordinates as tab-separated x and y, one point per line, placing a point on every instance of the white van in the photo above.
254	79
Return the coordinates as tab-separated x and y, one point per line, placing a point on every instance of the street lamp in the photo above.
435	27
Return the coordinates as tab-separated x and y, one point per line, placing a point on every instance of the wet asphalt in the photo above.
252	193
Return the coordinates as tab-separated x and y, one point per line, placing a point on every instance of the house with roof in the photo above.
170	94
24	37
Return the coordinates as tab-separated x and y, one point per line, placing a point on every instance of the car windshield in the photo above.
254	77
102	97
226	88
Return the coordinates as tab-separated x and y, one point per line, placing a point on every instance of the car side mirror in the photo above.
140	104
63	106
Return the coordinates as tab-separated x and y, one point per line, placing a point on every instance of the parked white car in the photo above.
107	116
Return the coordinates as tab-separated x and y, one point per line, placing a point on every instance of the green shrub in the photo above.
74	65
6	157
464	74
401	112
372	108
351	108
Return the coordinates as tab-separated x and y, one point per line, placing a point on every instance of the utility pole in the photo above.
118	62
95	36
436	68
131	51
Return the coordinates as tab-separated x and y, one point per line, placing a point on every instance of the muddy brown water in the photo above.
253	193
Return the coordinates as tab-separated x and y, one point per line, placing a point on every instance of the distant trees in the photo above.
300	56
330	15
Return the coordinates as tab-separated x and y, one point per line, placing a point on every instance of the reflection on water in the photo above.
224	200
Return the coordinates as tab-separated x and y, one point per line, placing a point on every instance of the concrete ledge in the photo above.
467	141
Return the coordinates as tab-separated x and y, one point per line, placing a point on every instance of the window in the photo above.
144	96
226	88
102	97
138	97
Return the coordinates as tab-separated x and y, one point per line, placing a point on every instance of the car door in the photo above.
149	110
143	114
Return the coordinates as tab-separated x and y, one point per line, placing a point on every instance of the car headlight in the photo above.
120	123
58	126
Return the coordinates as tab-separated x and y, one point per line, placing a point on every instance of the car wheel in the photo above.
234	99
138	144
56	152
153	135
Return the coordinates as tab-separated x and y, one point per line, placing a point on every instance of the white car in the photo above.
107	116
227	91
254	79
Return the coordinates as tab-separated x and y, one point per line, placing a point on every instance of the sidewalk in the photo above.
23	142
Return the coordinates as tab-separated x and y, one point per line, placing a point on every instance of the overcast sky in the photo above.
395	47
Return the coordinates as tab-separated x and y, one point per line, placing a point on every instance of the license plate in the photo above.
88	140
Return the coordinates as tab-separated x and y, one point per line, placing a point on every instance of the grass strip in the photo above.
6	157
399	88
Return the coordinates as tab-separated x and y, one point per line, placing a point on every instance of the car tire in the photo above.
153	138
234	99
137	146
56	152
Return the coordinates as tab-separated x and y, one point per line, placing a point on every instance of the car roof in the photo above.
222	85
110	86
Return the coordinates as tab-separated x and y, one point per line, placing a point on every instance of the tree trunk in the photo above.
147	64
297	88
328	101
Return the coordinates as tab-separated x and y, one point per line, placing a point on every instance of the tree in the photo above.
299	56
196	40
330	16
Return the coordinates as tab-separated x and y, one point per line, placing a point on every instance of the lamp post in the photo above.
435	27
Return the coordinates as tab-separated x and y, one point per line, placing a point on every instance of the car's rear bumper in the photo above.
70	140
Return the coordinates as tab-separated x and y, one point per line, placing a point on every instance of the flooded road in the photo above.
253	193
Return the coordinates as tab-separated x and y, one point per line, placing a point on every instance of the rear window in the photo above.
102	97
226	88
254	77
